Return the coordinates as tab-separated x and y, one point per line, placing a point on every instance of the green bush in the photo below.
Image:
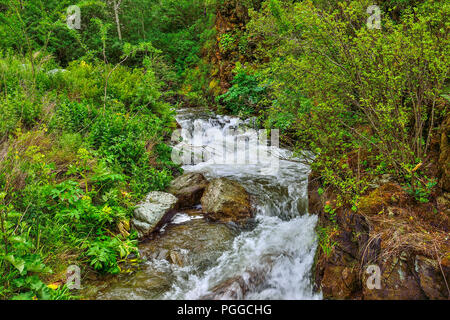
69	186
245	94
372	90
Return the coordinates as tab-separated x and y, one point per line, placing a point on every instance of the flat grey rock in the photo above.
149	214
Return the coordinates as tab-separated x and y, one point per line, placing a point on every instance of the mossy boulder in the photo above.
381	198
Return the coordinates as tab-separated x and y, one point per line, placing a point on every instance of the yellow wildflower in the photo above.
53	286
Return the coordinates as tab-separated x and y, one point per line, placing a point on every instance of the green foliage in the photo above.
245	94
76	164
72	116
372	90
226	42
420	188
326	242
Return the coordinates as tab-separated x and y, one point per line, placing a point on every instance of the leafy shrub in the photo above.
226	42
243	97
73	116
420	189
18	109
373	90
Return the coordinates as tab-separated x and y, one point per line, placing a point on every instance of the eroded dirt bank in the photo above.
406	239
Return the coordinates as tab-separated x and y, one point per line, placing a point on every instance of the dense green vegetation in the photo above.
85	115
343	89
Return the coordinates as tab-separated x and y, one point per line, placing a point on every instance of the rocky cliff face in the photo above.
231	19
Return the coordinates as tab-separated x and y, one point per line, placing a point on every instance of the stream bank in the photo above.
407	240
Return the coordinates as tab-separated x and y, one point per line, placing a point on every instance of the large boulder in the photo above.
188	188
237	287
197	243
150	215
225	200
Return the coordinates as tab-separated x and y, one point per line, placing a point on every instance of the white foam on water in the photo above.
291	244
279	250
284	230
181	218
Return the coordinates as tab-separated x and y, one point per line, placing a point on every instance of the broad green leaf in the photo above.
18	263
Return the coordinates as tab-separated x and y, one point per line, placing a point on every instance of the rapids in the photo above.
280	243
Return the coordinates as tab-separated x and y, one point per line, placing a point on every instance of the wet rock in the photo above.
151	282
398	282
176	258
237	287
431	278
225	200
315	204
189	189
196	242
339	282
157	209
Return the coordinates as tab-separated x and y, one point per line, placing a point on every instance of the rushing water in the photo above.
279	247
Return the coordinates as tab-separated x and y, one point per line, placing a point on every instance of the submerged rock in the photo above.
236	288
196	242
157	209
189	189
225	200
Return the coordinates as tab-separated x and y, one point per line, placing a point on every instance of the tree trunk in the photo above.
116	15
